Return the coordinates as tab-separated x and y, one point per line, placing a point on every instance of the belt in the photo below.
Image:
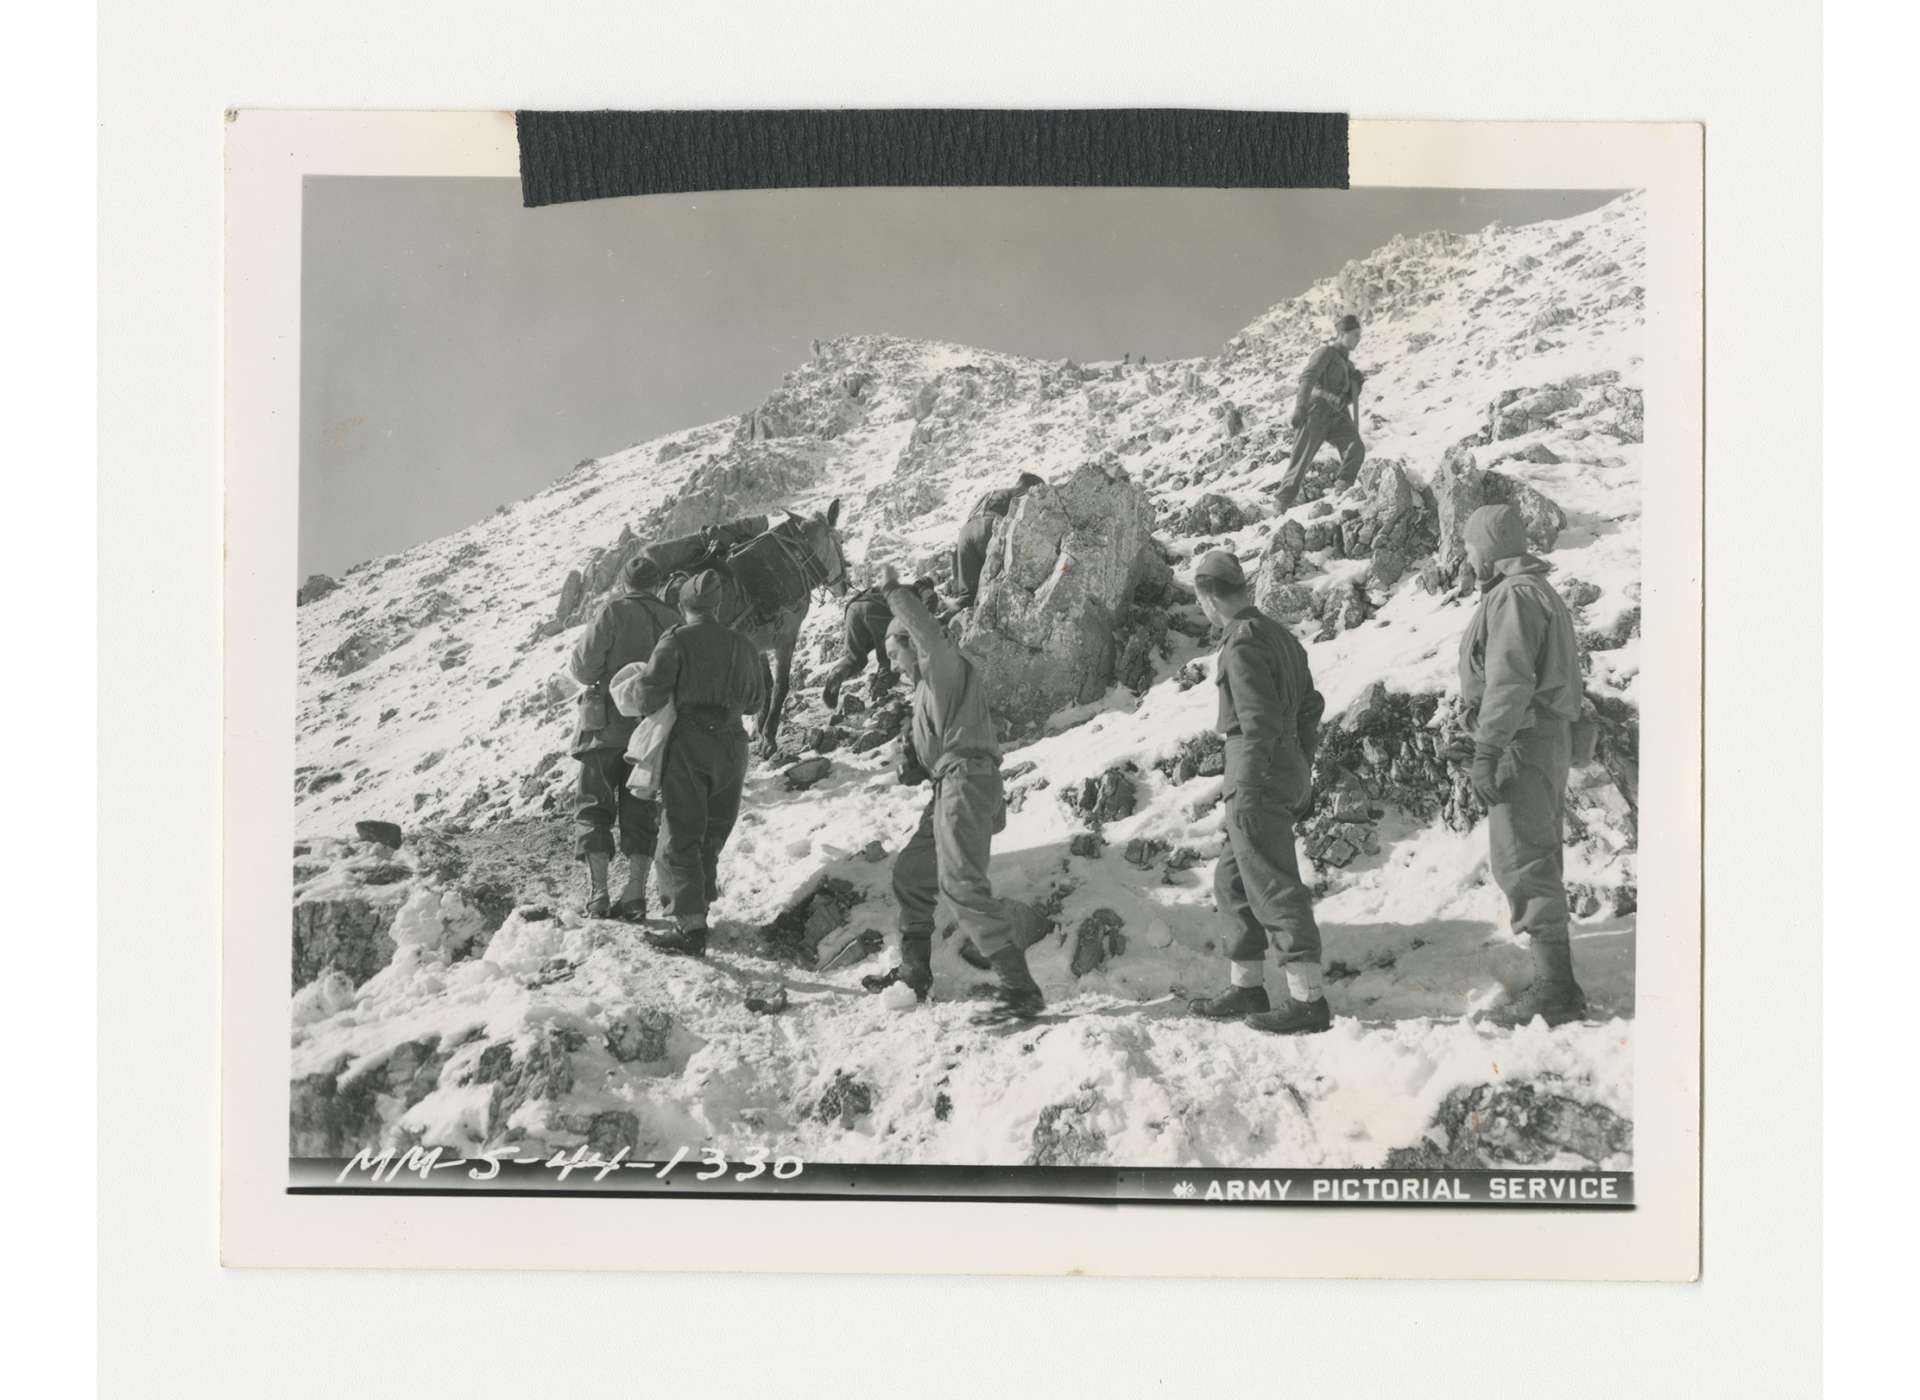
1329	396
708	717
951	763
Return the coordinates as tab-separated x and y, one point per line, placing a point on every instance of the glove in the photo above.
1459	752
1485	774
1299	418
912	772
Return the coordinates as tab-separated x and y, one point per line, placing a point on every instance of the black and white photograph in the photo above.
799	681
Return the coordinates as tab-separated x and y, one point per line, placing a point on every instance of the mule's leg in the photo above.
776	698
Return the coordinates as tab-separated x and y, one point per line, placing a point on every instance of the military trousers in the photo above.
1526	831
604	805
700	783
1257	884
948	855
1325	423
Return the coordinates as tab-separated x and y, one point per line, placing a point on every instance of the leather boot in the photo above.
597	862
1231	1004
1553	995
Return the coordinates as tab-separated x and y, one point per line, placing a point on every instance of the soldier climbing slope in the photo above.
864	630
970	552
1329	389
712	674
625	630
1520	666
953	737
1270	715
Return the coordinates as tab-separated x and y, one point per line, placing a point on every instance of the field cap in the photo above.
703	591
1221	567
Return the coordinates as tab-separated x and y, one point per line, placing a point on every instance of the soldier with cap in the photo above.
712	675
624	630
1270	714
864	630
970	553
1520	667
1329	387
953	737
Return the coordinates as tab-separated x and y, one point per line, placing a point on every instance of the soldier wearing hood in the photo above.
1519	665
624	630
712	674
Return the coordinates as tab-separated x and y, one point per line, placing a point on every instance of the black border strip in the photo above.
442	1173
567	156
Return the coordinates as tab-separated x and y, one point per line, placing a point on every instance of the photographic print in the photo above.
1030	694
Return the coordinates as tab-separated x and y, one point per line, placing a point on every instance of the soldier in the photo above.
865	626
712	674
624	630
953	737
1270	715
1329	387
1519	665
970	553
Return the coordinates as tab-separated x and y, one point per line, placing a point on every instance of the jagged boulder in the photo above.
316	587
1461	486
348	934
1507	1125
1059	575
1096	940
1211	514
1519	411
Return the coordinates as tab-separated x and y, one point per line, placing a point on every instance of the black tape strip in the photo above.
597	155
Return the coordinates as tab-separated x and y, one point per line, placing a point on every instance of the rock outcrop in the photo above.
1060	573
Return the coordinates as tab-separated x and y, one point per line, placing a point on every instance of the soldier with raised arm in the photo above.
952	735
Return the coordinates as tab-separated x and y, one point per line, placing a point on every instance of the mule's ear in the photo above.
833	512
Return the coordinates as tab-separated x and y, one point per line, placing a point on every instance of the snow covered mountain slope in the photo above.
432	694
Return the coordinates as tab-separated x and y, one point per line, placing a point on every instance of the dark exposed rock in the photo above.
1096	940
796	934
1087	843
1613	636
384	833
1211	514
1503	1125
639	1033
1067	1134
315	588
806	773
844	1100
346	932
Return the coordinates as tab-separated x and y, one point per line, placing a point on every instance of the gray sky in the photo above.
459	351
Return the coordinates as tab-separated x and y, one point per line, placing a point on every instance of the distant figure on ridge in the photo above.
1270	714
1326	409
712	675
970	553
625	630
